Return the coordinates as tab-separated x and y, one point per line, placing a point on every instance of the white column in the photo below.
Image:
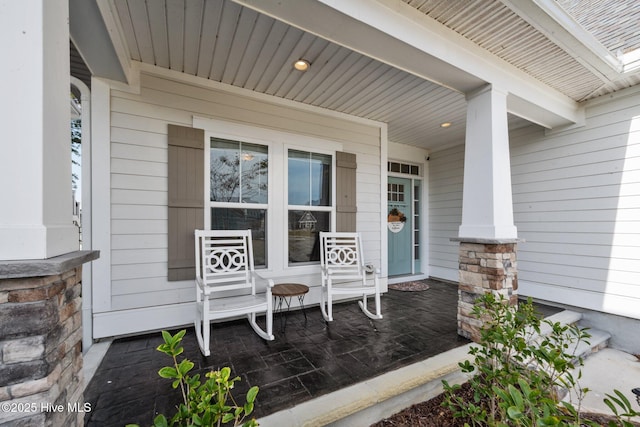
487	206
35	151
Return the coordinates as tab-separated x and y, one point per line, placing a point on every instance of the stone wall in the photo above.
41	348
484	267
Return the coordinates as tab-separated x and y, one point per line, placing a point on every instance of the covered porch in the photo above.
390	82
309	359
306	361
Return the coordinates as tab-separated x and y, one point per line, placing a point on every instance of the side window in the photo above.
309	204
238	190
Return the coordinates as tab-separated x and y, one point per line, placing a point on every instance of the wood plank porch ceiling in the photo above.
225	42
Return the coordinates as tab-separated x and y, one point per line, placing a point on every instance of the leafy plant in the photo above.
620	401
204	403
520	375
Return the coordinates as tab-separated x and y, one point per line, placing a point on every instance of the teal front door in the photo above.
399	226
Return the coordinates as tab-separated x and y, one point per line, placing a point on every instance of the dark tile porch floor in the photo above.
309	359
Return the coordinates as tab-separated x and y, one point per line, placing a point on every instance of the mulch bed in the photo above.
432	414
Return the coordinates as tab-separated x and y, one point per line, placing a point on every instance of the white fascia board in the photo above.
631	61
117	38
88	31
560	27
401	36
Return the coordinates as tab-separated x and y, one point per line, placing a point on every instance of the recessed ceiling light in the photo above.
301	65
445	124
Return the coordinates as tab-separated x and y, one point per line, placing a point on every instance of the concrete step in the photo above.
580	350
565	317
598	340
372	400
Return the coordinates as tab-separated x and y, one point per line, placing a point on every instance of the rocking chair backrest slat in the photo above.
224	260
341	253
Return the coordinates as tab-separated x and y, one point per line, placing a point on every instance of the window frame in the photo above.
209	204
278	143
287	207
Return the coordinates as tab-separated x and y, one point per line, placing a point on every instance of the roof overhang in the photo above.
92	38
397	34
556	24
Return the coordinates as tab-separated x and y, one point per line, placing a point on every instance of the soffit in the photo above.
494	26
225	42
78	67
615	23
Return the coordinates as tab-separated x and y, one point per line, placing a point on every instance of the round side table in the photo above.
284	292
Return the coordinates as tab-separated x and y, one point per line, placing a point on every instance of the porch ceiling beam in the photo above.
558	26
397	34
91	37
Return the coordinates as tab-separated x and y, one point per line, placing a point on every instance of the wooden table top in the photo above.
289	290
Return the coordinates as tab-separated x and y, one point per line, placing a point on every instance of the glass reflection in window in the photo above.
244	219
304	234
309	179
239	171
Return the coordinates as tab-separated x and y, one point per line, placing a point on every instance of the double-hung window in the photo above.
239	190
283	193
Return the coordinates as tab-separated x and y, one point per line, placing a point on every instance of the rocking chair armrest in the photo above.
376	278
269	285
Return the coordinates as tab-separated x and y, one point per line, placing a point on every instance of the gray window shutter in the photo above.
346	191
186	198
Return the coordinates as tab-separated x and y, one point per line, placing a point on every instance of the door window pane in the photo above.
239	172
244	219
309	177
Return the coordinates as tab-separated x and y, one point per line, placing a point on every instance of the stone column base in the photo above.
41	341
485	266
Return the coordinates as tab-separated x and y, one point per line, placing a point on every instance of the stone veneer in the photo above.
485	266
41	341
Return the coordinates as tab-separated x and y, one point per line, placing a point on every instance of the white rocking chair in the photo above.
224	266
344	273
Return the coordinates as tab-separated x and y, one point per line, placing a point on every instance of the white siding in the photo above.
140	294
576	198
445	211
576	203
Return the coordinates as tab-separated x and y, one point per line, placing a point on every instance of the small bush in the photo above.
204	403
521	376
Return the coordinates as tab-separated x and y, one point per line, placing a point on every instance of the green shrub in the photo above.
519	376
204	403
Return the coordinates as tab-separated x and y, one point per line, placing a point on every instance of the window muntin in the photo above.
403	168
395	192
243	191
310	204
